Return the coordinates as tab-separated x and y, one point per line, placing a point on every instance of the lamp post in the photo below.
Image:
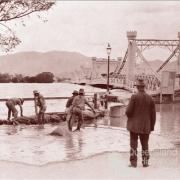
108	53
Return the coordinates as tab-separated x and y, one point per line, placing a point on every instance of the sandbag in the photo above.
23	120
55	118
60	131
89	114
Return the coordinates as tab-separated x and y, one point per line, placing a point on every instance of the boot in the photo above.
133	164
78	127
76	130
145	162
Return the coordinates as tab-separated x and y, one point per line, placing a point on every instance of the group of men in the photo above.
76	105
39	103
141	115
140	111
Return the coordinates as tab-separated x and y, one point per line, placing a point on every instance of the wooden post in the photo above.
161	97
173	97
106	101
160	94
95	100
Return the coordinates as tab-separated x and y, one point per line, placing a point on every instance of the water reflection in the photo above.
118	122
70	145
11	130
73	146
33	146
169	119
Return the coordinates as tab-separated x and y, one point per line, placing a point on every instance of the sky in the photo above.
87	27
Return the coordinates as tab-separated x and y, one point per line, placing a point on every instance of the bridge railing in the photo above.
117	81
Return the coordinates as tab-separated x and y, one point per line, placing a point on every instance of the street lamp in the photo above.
108	53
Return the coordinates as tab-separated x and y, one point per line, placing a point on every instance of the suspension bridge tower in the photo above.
131	56
128	69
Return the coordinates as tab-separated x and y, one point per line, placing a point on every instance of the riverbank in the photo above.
112	165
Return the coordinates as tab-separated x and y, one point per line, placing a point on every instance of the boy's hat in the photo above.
81	91
75	92
35	92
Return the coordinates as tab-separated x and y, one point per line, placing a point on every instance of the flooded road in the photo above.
168	124
33	145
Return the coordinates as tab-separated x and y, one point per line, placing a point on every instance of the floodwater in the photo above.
24	90
167	123
34	145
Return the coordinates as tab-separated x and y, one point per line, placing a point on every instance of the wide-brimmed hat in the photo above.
75	92
81	91
140	82
35	92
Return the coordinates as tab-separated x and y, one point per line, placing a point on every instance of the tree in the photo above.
16	9
28	79
17	78
5	78
45	77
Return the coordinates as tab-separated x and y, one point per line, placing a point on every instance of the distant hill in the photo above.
31	63
60	63
155	66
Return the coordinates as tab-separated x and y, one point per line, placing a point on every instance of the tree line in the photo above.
44	77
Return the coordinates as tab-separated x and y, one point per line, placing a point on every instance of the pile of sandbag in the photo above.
49	118
29	120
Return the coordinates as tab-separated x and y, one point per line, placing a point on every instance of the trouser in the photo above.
144	138
41	113
41	118
78	112
11	108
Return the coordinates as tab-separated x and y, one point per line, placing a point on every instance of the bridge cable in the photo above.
123	62
168	59
144	59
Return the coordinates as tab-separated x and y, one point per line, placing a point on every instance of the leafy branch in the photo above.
16	9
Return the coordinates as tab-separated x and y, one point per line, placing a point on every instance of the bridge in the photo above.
125	74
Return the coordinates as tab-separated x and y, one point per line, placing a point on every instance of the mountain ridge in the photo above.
33	62
60	63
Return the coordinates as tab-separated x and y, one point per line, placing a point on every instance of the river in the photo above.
25	90
33	145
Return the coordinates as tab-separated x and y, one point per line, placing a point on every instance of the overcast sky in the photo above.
87	27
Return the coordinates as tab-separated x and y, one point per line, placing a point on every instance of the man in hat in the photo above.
141	115
70	100
41	104
11	103
78	106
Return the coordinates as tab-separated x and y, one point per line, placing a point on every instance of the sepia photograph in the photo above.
89	89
